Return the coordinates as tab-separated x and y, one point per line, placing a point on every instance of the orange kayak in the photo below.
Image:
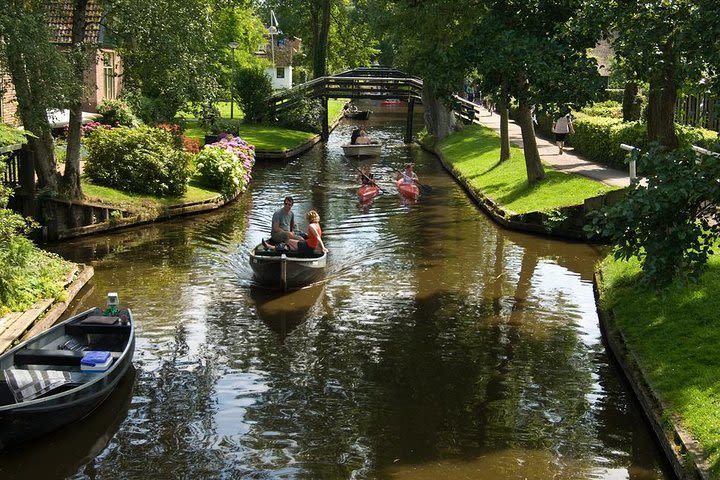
367	192
408	190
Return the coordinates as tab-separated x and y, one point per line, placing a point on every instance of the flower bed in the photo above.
226	165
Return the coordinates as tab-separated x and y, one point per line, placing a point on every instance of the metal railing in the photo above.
633	167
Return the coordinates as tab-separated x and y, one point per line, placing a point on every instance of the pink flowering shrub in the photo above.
226	165
90	127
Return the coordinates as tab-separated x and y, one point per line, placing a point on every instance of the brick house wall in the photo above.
8	106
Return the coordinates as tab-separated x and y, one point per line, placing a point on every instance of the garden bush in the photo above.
153	110
116	113
253	90
670	224
607	109
10	135
226	165
27	273
139	160
305	115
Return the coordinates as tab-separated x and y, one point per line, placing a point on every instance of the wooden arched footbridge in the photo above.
374	83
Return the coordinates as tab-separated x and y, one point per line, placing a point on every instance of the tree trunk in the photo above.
661	103
630	105
32	112
504	130
533	165
71	179
321	46
439	119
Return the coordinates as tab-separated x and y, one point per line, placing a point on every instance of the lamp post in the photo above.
233	46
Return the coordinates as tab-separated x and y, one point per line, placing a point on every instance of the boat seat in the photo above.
272	253
40	356
26	385
85	328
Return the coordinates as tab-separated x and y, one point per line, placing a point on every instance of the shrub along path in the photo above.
567	162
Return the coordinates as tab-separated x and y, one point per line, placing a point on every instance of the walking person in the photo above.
561	127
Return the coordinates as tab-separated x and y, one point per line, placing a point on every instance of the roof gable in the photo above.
60	17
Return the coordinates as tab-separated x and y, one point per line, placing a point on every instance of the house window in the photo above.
280	72
109	74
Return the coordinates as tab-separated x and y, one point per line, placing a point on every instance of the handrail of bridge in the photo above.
350	87
465	109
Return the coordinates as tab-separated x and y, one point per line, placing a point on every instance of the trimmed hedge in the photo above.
598	138
139	160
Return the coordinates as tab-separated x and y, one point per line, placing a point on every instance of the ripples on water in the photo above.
438	346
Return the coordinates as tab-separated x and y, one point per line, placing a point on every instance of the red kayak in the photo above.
367	192
408	190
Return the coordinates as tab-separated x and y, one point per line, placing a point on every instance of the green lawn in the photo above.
675	338
111	196
224	108
268	138
335	106
475	151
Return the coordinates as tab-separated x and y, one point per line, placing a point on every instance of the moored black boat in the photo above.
358	114
63	374
286	271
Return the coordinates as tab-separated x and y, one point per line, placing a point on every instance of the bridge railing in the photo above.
368	87
465	109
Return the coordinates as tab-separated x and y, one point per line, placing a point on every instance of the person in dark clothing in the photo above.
355	134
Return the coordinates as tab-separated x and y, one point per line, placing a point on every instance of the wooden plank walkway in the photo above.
19	326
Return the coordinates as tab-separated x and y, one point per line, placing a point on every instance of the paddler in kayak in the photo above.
365	177
408	175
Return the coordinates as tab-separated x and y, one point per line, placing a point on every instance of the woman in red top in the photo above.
314	243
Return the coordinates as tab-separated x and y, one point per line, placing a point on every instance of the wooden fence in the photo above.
699	111
11	156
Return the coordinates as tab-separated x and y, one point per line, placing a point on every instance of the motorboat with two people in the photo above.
294	261
361	145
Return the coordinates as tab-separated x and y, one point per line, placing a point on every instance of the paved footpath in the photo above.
567	162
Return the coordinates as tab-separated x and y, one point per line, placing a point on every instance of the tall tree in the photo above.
664	44
81	55
536	52
417	33
39	74
334	32
171	50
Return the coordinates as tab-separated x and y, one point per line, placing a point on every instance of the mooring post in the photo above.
325	126
409	123
26	176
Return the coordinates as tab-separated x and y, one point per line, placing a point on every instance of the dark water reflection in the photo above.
439	346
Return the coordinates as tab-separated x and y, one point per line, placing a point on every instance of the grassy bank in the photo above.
137	202
475	151
269	138
675	338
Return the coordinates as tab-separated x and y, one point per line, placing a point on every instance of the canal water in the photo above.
439	346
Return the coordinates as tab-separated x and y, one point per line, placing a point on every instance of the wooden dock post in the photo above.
325	121
409	123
